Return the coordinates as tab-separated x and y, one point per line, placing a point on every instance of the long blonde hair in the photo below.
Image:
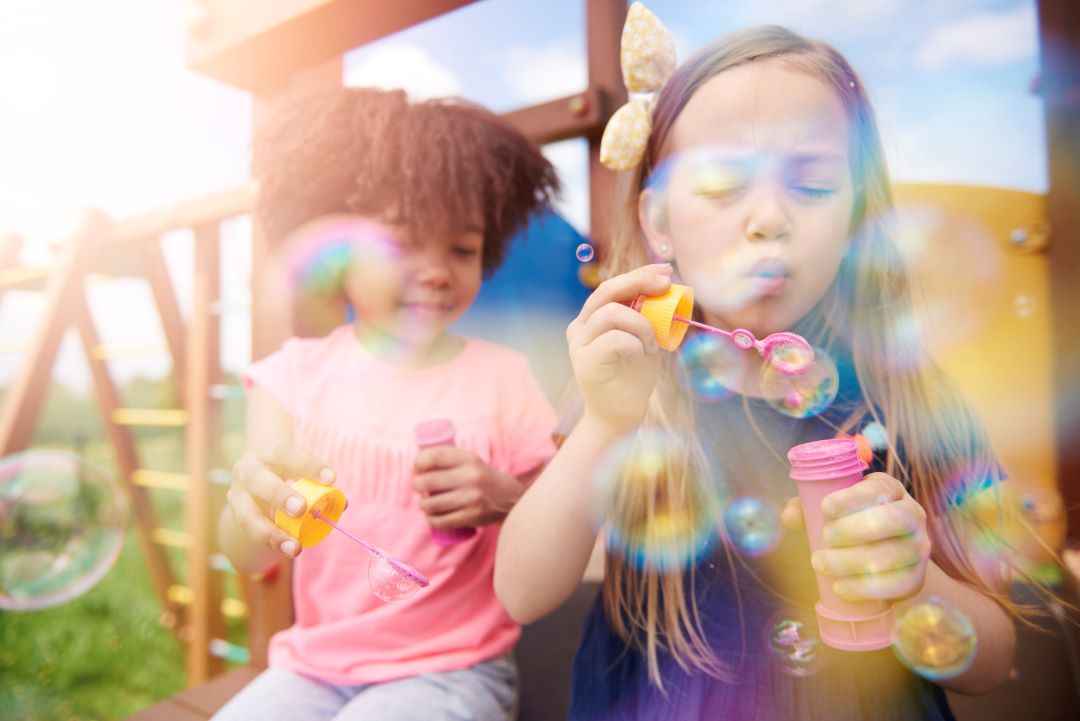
653	609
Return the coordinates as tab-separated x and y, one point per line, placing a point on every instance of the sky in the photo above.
98	110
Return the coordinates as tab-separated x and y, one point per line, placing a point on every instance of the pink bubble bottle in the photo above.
440	432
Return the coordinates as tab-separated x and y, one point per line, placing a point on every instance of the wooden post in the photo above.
603	25
1059	34
204	620
64	291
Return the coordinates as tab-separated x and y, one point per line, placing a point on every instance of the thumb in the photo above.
792	515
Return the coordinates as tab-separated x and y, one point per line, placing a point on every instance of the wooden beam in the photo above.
604	20
172	322
259	45
575	115
203	365
127	462
1059	34
63	294
213	207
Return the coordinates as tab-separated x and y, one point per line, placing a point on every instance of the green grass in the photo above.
103	655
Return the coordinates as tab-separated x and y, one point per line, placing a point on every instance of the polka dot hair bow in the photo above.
648	60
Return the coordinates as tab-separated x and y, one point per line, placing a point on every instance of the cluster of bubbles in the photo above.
752	526
62	525
935	640
651	529
793	644
388	582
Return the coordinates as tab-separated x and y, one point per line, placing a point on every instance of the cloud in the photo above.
830	18
982	39
400	65
571	161
534	75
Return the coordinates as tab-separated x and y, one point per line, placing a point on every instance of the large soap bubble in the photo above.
61	528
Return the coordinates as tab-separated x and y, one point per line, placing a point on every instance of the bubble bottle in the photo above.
819	468
429	434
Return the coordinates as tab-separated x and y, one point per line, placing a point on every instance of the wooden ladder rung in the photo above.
171	538
150	417
23	277
142	350
230	607
229	651
226	391
161	479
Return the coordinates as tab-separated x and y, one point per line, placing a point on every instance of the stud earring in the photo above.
665	251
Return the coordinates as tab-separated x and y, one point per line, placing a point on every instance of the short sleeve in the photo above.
528	419
274	375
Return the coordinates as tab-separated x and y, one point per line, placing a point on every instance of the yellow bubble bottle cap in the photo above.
661	311
329	501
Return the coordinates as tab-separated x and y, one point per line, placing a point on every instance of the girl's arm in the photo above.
993	629
547	538
246	531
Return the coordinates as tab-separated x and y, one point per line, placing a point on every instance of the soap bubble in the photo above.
935	640
752	526
803	395
584	253
388	582
710	366
62	525
646	521
793	643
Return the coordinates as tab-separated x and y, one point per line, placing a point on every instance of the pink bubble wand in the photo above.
788	352
399	566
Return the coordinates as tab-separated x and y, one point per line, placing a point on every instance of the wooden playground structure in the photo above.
280	50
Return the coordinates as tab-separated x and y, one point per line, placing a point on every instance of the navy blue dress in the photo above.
740	600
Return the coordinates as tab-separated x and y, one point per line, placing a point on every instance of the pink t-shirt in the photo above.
357	414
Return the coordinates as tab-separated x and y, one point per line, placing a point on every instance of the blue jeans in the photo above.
484	692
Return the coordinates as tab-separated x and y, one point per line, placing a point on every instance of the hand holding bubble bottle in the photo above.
430	434
818	469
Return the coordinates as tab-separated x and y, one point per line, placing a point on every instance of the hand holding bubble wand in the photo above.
390	578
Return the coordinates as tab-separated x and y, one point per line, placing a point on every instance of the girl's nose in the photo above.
767	218
432	269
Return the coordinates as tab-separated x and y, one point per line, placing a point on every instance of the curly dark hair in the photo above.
442	165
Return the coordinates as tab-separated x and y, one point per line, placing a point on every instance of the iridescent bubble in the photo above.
389	583
803	395
655	523
584	253
793	643
709	366
935	640
876	435
62	525
752	526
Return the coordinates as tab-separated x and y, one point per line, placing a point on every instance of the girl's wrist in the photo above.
600	431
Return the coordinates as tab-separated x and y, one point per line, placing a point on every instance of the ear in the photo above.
653	220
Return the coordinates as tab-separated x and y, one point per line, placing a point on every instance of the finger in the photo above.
291	461
440	457
461	518
618	317
892	585
437	481
874	490
647	280
896	519
264	484
792	515
441	504
257	526
882	557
